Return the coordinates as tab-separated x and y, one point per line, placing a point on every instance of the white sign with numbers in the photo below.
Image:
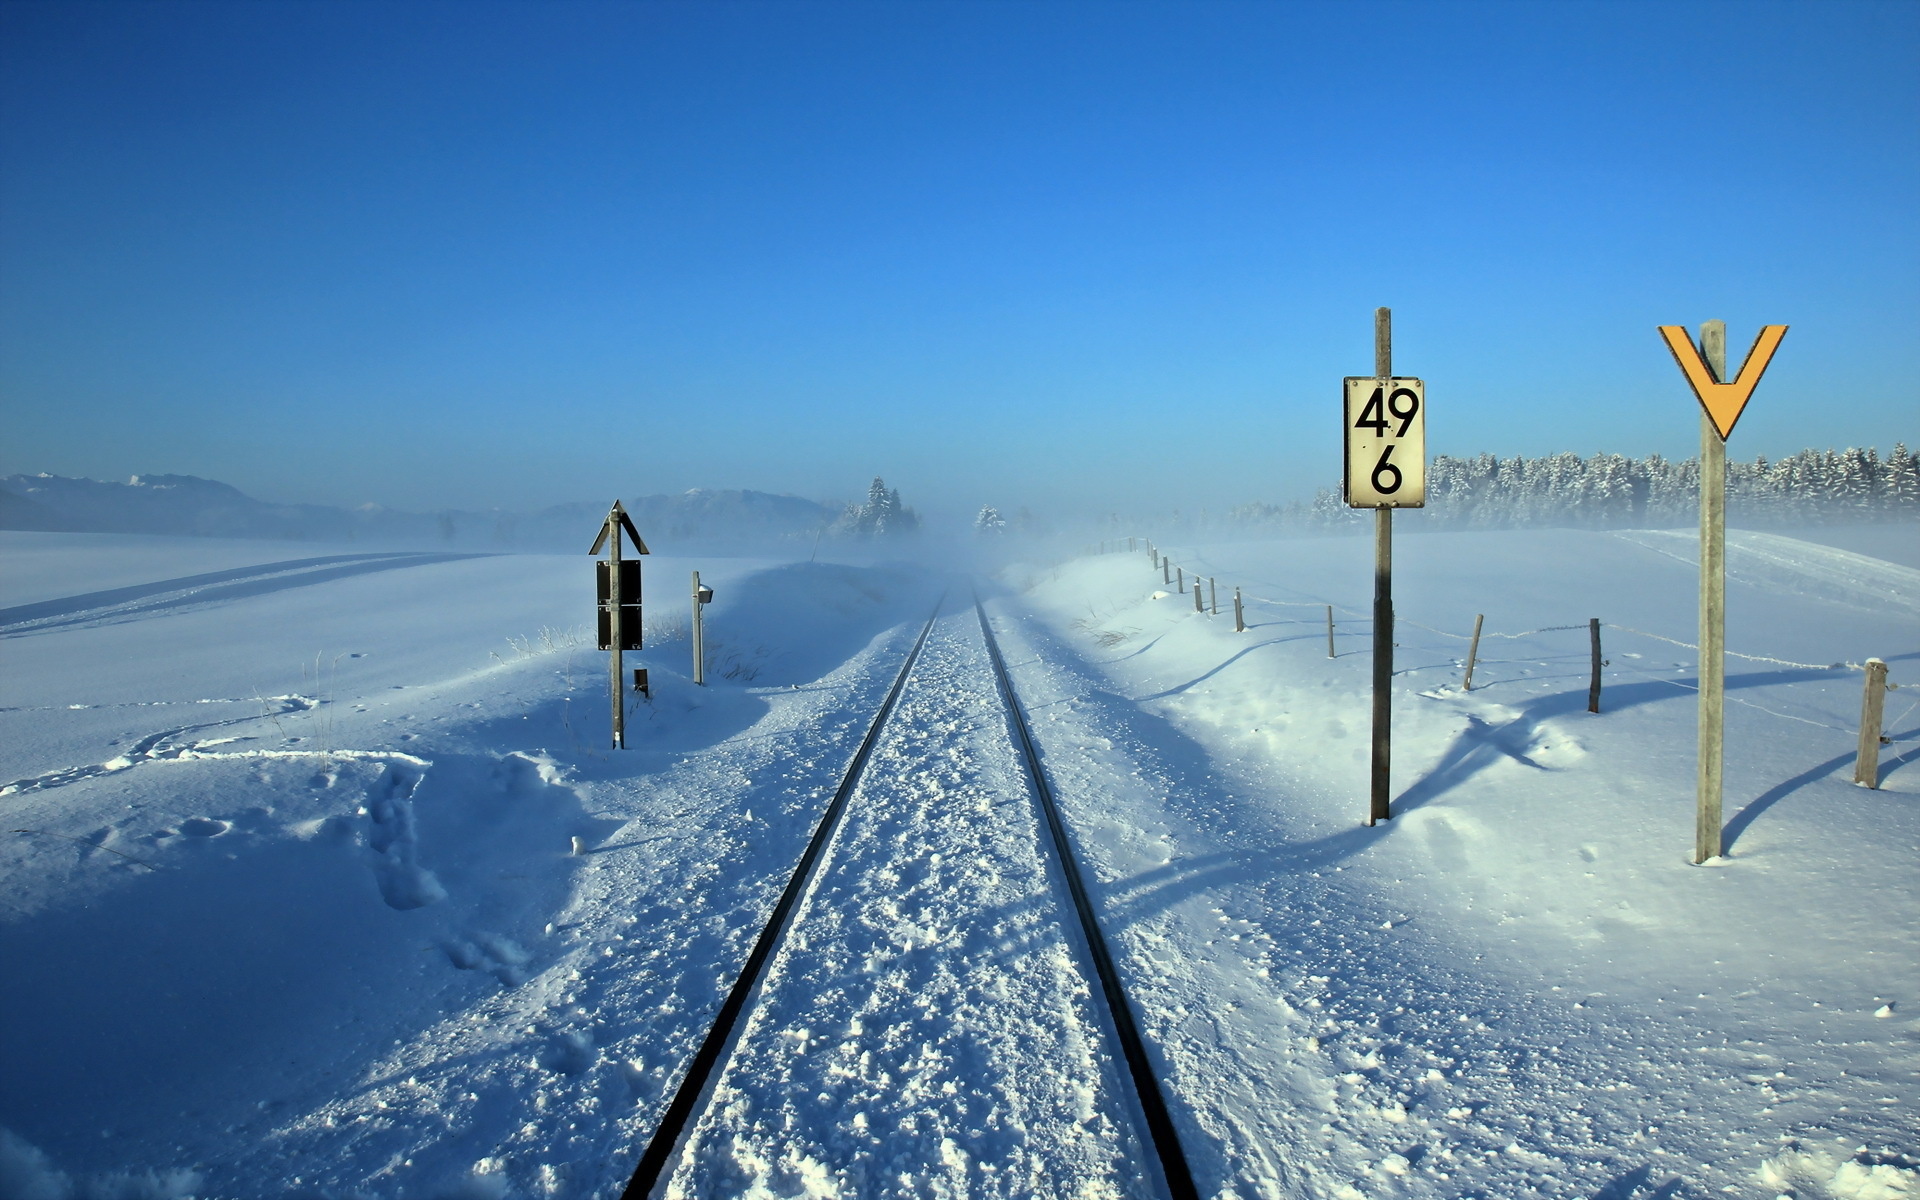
1386	433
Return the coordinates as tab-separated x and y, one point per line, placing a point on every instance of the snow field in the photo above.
1601	1016
356	956
300	913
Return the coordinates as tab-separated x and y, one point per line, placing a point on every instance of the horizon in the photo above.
1071	257
1454	502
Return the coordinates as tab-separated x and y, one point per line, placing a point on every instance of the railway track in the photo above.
938	934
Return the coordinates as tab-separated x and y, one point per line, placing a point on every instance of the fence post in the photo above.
1866	767
1166	574
1330	653
1239	614
1213	596
1129	545
1593	688
1473	651
1180	578
1198	599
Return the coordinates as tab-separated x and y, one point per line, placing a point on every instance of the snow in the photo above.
332	887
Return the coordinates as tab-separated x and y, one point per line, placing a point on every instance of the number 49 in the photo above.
1374	414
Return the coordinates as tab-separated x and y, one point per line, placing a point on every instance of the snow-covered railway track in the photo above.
923	1009
1153	1106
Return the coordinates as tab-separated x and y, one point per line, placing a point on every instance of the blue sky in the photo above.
1074	256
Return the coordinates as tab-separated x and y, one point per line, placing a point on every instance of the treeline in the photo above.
1611	491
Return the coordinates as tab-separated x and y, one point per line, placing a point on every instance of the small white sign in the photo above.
1386	436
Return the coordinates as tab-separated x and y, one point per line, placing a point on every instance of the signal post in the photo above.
1384	428
618	593
1721	404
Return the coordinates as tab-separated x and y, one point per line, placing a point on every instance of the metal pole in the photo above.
1713	607
1473	651
1381	808
1330	631
613	624
699	635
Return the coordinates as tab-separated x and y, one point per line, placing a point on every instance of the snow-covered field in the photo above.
290	906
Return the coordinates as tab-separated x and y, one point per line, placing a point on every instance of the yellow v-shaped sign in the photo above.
1723	401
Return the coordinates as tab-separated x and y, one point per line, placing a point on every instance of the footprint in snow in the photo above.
568	1053
501	957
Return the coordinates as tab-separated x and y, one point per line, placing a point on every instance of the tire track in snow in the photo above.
391	835
131	603
155	747
927	1028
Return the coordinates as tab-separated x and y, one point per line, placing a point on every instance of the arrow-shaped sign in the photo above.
1723	401
618	519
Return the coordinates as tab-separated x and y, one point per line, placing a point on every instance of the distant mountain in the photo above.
178	504
18	512
189	505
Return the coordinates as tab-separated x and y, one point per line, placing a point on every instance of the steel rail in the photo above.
703	1070
1162	1135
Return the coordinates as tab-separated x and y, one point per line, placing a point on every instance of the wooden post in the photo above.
1129	545
1473	651
1180	576
1593	687
1153	554
699	635
1713	608
1866	767
1239	613
1213	596
1166	575
1330	631
1381	808
1199	598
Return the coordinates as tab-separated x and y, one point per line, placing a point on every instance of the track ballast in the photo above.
920	1000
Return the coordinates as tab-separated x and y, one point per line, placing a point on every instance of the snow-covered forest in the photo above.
1612	491
882	516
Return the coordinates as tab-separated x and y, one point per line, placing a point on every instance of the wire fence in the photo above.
1161	561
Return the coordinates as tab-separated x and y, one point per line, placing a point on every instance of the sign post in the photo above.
1385	432
1721	403
619	605
702	596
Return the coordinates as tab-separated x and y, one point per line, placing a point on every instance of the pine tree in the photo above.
1903	482
881	503
989	523
883	515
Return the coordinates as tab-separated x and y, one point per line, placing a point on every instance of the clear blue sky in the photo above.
1065	255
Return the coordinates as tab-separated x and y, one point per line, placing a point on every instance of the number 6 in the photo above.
1384	468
